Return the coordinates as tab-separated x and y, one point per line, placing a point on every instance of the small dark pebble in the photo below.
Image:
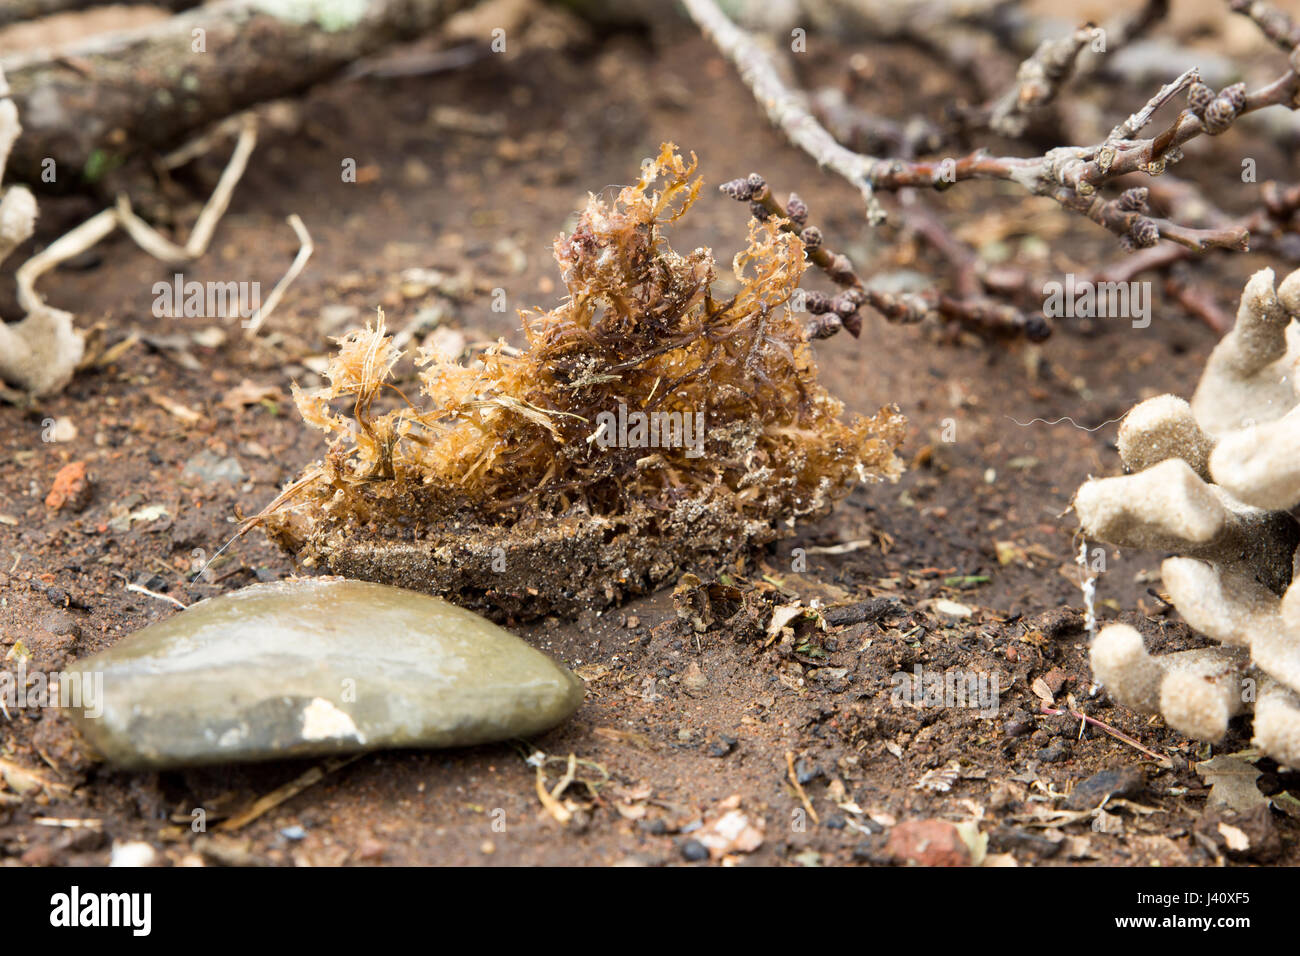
722	746
1007	839
694	851
1016	727
60	622
1125	782
872	851
845	614
1054	752
1037	328
835	823
154	582
61	598
806	774
654	827
1063	725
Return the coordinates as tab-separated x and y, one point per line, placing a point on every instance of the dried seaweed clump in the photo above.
530	482
1216	481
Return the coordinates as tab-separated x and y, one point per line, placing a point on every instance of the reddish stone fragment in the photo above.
927	843
71	488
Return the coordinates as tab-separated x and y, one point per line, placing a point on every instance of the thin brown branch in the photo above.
1114	732
832	313
1041	76
104	98
1139	120
1038	81
1273	218
798	787
1152	12
1272	22
787	111
1197	300
1070	175
23	11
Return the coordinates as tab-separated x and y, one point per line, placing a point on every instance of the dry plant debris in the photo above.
40	354
648	425
1215	481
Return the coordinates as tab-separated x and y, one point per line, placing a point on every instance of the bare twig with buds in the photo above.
784	108
1272	22
1038	81
836	312
1070	175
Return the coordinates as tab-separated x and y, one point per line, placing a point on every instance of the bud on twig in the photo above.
738	189
817	302
1135	199
1199	96
797	210
1144	232
1225	108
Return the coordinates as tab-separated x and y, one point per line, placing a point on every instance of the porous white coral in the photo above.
1215	481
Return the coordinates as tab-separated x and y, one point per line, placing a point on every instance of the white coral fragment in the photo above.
1215	481
1249	377
1260	465
1160	509
1160	429
1277	723
1197	691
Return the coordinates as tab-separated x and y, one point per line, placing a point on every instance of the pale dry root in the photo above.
1215	481
39	354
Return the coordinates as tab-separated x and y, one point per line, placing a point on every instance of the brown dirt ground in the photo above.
674	746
